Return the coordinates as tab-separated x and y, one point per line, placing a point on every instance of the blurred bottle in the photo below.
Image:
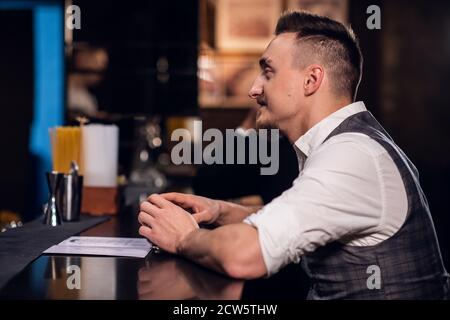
145	176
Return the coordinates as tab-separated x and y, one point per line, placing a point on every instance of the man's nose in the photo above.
256	90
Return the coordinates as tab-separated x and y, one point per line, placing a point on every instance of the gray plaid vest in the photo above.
410	263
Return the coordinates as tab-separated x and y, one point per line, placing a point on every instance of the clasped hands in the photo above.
166	222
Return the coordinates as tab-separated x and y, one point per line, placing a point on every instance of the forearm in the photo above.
233	213
233	250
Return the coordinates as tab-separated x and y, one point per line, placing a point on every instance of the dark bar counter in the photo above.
158	276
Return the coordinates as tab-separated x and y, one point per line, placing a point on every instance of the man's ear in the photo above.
313	79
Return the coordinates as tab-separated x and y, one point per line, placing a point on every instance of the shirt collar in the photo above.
321	130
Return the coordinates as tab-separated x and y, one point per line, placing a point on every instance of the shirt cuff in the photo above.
274	256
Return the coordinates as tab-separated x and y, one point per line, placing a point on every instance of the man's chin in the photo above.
264	123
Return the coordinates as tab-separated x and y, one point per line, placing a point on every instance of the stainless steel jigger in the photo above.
52	216
68	195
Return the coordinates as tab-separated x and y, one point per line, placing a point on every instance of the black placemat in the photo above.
20	246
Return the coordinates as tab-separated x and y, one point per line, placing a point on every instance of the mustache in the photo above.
261	101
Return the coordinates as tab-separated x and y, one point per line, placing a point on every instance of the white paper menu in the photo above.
103	246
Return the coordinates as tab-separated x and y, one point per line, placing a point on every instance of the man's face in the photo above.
278	88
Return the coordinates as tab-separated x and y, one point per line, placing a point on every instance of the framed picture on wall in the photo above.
245	25
334	9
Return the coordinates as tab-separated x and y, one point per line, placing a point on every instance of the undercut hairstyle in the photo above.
329	43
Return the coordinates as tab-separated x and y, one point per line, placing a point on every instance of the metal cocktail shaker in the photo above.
70	193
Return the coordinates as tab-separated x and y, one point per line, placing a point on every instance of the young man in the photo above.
356	211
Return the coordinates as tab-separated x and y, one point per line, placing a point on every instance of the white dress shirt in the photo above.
348	189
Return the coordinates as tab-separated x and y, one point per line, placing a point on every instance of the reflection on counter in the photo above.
97	277
158	277
174	278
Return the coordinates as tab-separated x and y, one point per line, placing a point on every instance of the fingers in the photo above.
145	232
149	208
201	217
174	196
187	201
159	201
180	198
146	219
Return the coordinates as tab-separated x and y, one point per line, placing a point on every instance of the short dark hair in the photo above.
332	42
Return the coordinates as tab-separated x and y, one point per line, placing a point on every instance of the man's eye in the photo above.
267	72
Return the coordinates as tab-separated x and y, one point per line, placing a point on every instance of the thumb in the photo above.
201	216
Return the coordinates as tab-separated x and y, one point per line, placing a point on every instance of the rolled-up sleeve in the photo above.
276	239
336	195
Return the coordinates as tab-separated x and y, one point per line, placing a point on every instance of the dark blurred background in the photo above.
163	60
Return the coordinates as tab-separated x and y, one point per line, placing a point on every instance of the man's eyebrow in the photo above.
265	62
